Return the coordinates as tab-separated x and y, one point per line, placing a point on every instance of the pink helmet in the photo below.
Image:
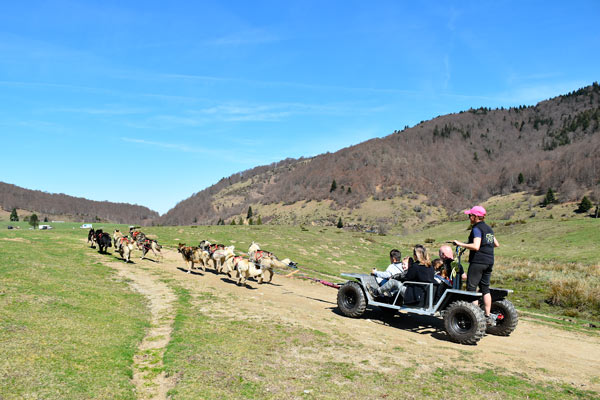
477	210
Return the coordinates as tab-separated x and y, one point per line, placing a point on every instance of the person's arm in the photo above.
475	245
496	244
381	274
388	273
470	246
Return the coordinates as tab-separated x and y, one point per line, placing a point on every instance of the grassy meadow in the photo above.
69	326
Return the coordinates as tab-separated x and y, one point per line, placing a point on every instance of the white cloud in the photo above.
213	152
169	146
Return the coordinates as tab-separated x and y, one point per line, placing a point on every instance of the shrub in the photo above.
575	293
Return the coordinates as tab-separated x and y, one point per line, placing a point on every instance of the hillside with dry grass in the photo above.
64	207
420	173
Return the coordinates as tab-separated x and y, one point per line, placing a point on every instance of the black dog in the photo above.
92	238
103	240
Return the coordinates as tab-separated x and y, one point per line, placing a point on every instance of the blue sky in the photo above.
148	102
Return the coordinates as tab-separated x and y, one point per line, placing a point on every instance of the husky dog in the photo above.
192	255
247	269
150	244
124	246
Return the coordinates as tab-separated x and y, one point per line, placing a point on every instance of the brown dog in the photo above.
192	255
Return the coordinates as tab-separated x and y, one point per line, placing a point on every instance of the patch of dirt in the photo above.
150	381
537	351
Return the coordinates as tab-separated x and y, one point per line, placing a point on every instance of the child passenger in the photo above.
441	274
396	268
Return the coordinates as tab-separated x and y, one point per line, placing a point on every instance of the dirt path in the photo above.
149	384
533	350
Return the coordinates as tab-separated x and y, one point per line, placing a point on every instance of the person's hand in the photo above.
373	271
456	242
464	277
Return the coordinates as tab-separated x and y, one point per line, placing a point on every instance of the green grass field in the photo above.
69	326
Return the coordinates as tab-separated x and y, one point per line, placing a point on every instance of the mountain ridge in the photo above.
453	160
77	208
425	172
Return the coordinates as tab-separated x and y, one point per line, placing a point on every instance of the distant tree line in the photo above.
13	197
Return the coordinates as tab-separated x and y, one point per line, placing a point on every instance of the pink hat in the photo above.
477	210
446	252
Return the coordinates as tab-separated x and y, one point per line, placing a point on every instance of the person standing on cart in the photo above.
481	244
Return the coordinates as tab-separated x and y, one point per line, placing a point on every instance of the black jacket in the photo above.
417	273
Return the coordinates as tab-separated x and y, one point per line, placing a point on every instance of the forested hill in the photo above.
454	160
78	208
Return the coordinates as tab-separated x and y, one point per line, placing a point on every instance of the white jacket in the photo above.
391	270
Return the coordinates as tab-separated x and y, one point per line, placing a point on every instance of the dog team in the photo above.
223	259
123	244
259	264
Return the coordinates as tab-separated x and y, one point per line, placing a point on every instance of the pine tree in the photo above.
585	205
521	178
13	215
249	215
232	221
339	223
259	221
550	198
240	221
333	186
34	221
349	190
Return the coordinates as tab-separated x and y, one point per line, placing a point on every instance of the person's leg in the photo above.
487	303
391	286
474	275
484	286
